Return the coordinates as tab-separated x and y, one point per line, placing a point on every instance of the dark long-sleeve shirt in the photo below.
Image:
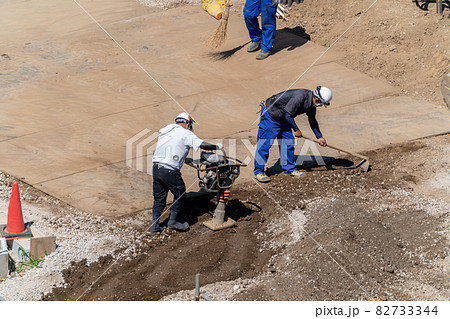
285	106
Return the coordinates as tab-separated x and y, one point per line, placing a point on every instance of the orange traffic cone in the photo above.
15	226
15	223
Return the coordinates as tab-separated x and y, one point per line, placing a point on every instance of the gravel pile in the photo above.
277	235
168	3
223	290
79	236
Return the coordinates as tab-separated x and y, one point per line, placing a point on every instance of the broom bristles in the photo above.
220	34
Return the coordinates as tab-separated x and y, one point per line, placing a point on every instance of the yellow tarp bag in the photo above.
214	7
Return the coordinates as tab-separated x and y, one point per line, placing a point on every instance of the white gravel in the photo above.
223	290
78	236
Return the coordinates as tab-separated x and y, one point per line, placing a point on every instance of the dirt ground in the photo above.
337	234
394	41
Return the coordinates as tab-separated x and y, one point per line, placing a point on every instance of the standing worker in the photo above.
277	121
261	39
174	144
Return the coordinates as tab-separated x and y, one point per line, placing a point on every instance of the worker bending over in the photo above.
277	121
174	143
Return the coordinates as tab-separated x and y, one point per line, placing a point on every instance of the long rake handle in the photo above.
365	158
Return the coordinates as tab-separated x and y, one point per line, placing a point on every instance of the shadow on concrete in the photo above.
287	38
290	39
309	162
225	55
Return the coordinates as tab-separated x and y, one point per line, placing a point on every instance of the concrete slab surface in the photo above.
71	97
381	122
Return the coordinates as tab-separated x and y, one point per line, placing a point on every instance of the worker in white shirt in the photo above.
174	143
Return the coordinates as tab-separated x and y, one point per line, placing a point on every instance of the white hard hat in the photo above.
184	116
323	94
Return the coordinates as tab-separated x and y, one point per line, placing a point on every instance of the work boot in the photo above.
178	226
262	177
156	228
254	46
174	224
297	173
262	55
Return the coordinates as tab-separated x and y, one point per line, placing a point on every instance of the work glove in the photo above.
289	2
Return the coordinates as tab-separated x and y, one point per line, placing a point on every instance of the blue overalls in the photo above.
252	9
268	131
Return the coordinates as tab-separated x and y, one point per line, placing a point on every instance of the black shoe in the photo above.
157	228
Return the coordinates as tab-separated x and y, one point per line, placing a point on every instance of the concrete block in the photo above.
445	89
41	245
21	249
4	258
36	247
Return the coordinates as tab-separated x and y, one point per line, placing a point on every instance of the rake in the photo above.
364	164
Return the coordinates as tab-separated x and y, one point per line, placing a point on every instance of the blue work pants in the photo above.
252	9
268	131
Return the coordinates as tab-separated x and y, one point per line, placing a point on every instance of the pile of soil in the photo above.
337	234
365	236
168	262
395	40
